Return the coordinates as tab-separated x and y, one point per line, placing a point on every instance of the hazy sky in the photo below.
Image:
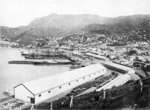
21	12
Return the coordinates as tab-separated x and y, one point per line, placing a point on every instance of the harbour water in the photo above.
14	74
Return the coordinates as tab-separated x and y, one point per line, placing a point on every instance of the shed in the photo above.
42	89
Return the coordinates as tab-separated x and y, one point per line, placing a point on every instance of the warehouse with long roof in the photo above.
39	90
122	68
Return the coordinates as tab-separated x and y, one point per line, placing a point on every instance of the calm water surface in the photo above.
14	74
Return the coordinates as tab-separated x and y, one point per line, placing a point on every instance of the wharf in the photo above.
79	91
41	56
74	58
83	61
40	63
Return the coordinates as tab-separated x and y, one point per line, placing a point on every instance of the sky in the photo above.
14	13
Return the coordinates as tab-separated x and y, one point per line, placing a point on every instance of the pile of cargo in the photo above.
95	83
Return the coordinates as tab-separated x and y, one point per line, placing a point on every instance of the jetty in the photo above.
40	62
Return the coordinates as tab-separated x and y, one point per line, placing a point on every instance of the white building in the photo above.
42	89
96	56
128	70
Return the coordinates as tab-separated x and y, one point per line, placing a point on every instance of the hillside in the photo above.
66	25
121	25
52	25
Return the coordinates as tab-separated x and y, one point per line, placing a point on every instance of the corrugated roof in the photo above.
117	65
129	70
43	84
97	56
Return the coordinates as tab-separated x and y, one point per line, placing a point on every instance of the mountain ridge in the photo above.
64	25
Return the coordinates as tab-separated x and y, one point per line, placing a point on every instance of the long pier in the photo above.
40	63
74	58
